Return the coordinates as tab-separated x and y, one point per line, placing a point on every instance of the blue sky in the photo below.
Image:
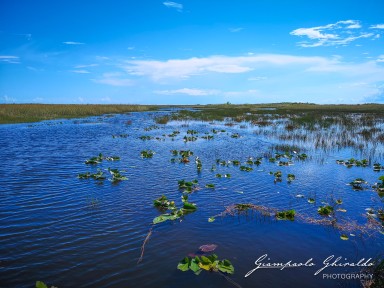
191	51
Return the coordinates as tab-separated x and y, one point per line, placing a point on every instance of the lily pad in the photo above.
286	215
344	237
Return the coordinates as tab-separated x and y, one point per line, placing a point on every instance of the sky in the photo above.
191	51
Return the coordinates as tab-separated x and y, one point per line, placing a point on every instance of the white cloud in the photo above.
186	68
234	30
378	26
257	78
73	43
9	59
187	91
113	79
106	99
177	6
83	71
34	69
380	58
38	100
339	33
85	66
8	100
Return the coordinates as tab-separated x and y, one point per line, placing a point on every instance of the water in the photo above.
70	232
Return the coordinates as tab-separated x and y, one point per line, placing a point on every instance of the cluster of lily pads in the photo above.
120	136
173	212
147	153
377	167
353	162
184	156
116	175
145	137
98	159
208	263
286	215
221	176
288	156
152	127
188	186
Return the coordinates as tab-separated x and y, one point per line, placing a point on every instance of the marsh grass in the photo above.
23	113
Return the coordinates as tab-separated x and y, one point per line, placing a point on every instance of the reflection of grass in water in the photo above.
21	113
299	125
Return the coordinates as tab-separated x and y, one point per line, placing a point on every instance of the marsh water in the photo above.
71	232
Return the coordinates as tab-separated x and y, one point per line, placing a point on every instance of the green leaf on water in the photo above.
165	217
194	266
184	264
211	219
226	266
344	237
40	284
189	206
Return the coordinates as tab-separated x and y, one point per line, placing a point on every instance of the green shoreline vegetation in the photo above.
24	113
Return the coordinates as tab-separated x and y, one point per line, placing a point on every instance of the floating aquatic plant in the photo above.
189	139
112	158
95	160
339	201
208	263
286	215
199	164
235	135
120	136
221	176
100	158
245	168
380	185
116	175
97	176
207	137
145	137
210	185
357	184
164	203
302	156
184	154
311	200
353	162
243	207
188	186
291	177
377	167
192	132
174	134
153	127
147	154
174	213
325	210
40	284
344	237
